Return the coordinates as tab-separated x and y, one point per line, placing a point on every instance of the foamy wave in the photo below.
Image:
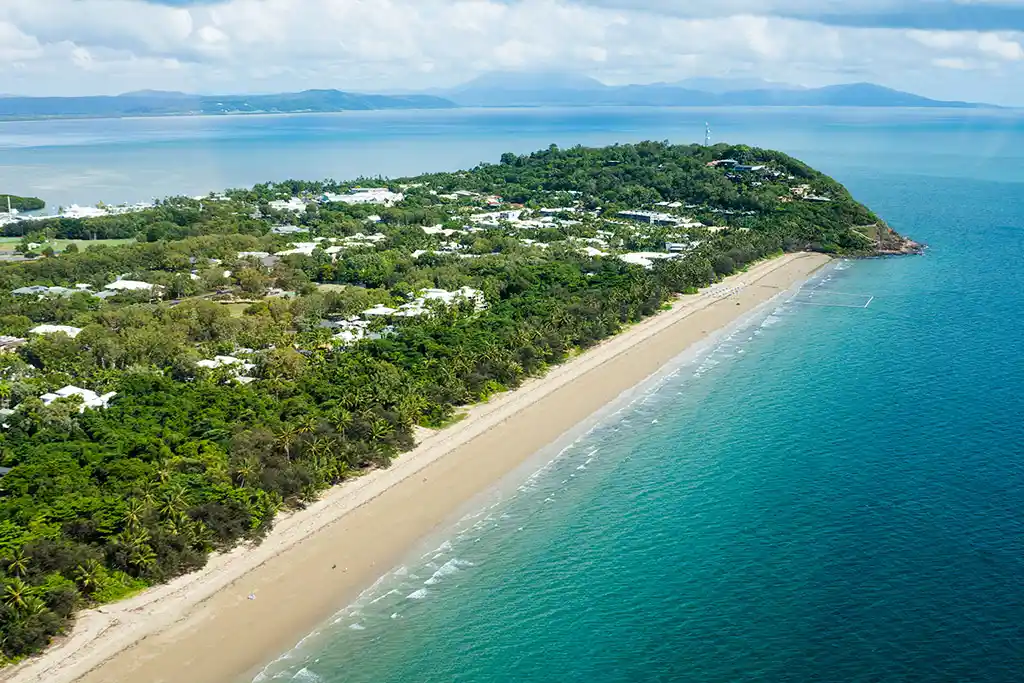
304	675
449	568
417	595
357	627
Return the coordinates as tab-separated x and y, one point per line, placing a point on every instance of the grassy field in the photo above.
237	310
9	243
331	288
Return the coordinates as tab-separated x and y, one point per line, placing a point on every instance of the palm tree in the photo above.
134	512
5	393
34	606
89	576
285	437
341	419
381	429
308	425
164	472
173	502
246	470
17	563
16	592
141	556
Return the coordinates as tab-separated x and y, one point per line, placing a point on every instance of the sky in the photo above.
948	49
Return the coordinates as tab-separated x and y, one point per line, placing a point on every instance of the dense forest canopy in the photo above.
191	455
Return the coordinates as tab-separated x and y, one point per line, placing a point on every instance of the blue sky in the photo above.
955	49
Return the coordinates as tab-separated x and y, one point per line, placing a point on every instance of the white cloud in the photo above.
1005	47
78	46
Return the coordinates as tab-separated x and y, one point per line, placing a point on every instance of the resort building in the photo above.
645	259
288	230
295	205
76	211
366	195
380	311
130	286
54	329
90	399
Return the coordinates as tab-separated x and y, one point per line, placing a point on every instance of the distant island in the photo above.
500	89
20	204
157	103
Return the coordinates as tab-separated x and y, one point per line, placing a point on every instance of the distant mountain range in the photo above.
501	89
160	103
519	90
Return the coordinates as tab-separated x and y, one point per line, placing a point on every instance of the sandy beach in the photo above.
202	628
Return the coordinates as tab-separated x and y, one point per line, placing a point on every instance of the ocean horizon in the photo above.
86	161
829	491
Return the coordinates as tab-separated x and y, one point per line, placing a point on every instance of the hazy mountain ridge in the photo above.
501	89
493	90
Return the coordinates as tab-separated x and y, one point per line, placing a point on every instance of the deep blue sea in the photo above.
825	493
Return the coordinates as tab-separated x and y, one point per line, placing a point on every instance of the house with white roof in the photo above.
380	311
54	329
222	361
294	205
303	248
369	195
130	286
288	230
90	399
237	365
645	259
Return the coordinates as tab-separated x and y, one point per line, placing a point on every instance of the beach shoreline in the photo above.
201	627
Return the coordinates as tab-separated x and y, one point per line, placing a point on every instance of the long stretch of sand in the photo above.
201	628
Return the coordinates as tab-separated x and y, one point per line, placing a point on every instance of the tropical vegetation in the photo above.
186	460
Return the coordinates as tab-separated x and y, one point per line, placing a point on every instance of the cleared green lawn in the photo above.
237	310
331	288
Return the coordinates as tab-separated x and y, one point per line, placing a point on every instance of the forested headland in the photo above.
21	203
265	344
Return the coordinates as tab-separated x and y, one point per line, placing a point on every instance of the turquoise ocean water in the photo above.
823	494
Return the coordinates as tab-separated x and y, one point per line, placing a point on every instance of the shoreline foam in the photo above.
201	627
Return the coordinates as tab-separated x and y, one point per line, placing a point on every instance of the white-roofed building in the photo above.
76	211
294	204
90	399
222	361
645	259
303	248
288	230
369	195
380	311
54	329
130	286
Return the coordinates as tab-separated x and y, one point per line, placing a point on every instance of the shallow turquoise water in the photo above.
829	494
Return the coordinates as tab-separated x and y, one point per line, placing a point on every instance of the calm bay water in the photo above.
129	160
827	494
